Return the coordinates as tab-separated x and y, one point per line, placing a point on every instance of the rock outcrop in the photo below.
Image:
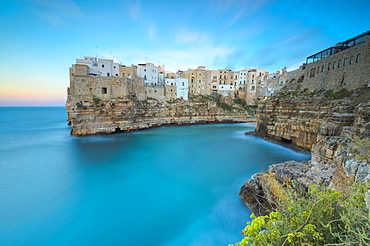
333	126
124	115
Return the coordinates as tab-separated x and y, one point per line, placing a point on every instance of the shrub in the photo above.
321	217
96	100
240	101
342	93
225	106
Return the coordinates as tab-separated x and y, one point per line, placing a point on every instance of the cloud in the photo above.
55	12
188	37
152	32
134	8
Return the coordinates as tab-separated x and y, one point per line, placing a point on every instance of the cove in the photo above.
165	186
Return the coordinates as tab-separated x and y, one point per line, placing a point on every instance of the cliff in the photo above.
333	126
89	117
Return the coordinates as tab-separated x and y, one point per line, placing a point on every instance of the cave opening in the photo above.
286	141
118	130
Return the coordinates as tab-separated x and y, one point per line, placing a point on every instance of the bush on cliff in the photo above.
96	100
322	217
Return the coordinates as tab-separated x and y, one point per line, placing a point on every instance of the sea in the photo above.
168	186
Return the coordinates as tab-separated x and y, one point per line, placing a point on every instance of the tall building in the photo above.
149	73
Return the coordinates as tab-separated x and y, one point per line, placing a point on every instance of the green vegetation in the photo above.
322	216
225	106
240	101
251	109
200	98
96	100
152	98
176	100
145	102
342	93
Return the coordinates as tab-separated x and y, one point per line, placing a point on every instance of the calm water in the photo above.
167	186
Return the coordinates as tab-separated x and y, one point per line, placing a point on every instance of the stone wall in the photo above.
332	72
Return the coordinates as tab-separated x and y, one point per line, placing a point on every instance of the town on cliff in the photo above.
96	85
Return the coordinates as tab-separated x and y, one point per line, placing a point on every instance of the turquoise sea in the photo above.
167	186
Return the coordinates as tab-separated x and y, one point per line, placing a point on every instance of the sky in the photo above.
41	39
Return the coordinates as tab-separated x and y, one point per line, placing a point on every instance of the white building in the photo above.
182	87
100	67
225	89
149	72
243	75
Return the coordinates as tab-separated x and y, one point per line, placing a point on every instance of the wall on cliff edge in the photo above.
333	126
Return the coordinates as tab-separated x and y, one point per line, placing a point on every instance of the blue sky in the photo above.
40	39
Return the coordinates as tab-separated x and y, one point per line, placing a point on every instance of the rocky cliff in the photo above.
333	126
89	117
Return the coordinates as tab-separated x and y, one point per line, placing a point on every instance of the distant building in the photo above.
100	67
149	73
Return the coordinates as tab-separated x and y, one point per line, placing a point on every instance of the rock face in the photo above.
125	115
333	126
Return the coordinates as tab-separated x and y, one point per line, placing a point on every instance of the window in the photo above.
339	63
252	81
114	66
117	74
192	80
312	72
329	64
144	76
144	70
108	74
345	61
224	76
252	75
183	84
351	59
123	74
253	88
322	68
358	57
102	65
318	69
104	90
334	64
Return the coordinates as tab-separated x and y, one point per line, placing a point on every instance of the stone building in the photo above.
345	65
200	81
100	67
85	87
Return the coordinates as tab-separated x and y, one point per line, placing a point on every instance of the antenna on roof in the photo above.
96	51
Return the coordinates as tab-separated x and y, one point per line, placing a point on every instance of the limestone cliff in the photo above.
89	117
333	126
